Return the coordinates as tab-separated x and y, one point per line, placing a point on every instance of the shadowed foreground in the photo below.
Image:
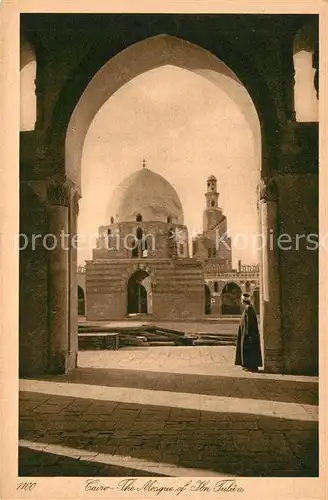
134	422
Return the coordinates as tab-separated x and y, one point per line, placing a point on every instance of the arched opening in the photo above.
256	300
208	305
216	286
139	293
247	287
163	52
230	299
139	218
80	301
305	56
27	87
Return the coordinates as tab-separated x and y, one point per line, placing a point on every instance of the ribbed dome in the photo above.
147	194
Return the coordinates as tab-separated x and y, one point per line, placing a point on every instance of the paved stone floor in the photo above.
167	411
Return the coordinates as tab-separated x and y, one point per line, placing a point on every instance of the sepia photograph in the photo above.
168	249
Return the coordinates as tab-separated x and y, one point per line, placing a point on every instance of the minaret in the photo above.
212	213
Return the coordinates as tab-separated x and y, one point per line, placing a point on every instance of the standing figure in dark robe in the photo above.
248	351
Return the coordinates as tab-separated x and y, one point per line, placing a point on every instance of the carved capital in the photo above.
267	190
59	193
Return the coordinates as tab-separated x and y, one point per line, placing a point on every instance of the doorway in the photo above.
139	293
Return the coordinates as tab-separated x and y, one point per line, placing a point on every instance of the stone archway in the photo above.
122	67
139	58
144	56
289	163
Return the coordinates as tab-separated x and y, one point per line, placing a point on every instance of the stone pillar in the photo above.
59	355
73	307
33	282
271	328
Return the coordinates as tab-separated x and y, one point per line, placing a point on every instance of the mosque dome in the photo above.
147	196
212	178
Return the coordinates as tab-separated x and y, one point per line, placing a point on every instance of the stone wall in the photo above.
177	288
157	237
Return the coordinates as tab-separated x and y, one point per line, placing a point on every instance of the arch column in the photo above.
62	350
73	316
270	306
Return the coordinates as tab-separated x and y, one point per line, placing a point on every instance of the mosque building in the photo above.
142	266
141	262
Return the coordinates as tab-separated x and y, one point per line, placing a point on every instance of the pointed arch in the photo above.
148	54
81	301
139	293
101	73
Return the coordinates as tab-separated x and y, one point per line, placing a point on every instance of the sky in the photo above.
186	128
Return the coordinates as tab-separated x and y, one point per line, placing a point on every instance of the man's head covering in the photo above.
246	297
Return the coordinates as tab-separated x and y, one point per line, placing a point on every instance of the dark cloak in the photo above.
248	350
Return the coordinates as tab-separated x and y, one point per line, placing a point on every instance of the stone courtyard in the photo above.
167	411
